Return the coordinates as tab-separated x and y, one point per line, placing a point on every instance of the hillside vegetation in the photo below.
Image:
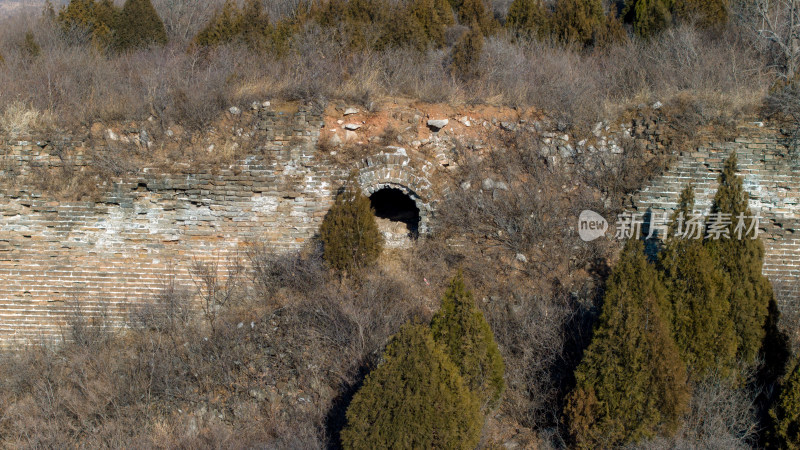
501	328
183	61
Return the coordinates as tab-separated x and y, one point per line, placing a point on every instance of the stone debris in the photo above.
437	124
508	126
111	136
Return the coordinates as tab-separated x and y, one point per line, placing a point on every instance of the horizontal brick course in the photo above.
109	256
771	177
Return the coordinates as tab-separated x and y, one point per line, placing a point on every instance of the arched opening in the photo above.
396	212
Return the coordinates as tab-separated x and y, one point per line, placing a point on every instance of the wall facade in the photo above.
105	257
771	176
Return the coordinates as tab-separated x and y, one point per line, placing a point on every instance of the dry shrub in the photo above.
78	85
262	375
720	416
617	176
285	274
18	118
520	202
783	103
530	330
513	203
787	294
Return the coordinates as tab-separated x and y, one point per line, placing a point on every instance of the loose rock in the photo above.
437	124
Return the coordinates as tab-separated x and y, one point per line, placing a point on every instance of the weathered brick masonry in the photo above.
147	230
771	177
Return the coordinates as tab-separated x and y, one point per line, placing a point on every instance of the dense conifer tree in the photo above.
403	29
528	18
255	27
139	26
30	47
705	13
225	26
786	413
77	15
136	25
578	21
415	398
740	258
106	19
648	17
631	383
700	297
460	326
434	16
477	15
466	54
349	234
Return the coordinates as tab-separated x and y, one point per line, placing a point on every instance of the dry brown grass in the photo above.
20	119
274	365
79	86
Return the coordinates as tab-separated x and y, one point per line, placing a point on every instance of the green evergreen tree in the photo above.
578	21
224	27
710	14
350	236
631	383
648	17
612	32
415	398
460	326
475	13
96	21
466	54
255	27
700	297
363	15
434	16
106	19
741	261
785	415
403	30
30	47
77	15
139	26
528	18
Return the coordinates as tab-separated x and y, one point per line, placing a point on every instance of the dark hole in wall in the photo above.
395	205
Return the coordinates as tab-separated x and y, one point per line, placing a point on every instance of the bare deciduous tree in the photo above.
777	22
213	291
184	18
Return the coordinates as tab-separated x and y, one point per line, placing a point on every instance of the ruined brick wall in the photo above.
146	231
771	177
